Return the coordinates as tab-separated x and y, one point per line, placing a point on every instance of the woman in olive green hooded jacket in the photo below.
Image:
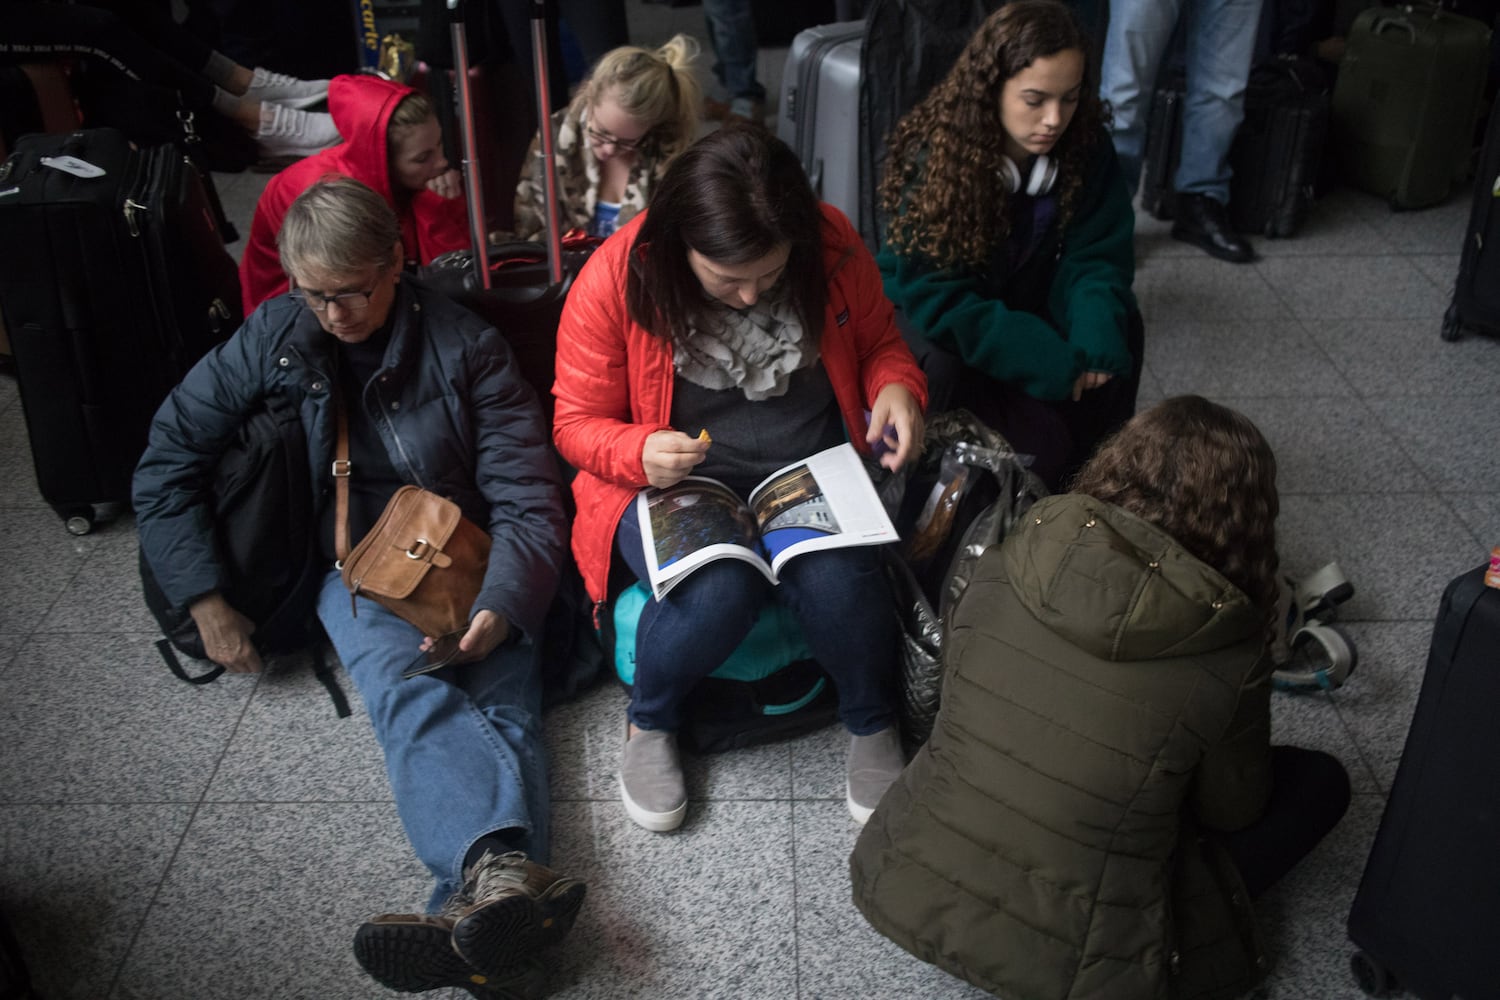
1100	799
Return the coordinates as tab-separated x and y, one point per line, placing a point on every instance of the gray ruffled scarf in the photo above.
755	350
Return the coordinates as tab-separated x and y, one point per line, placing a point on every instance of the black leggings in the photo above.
1309	795
131	38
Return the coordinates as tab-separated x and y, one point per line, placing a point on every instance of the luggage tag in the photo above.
73	165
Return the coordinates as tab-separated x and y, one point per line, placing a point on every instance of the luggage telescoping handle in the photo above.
544	132
473	189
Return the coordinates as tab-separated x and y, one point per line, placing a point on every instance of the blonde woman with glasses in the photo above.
636	111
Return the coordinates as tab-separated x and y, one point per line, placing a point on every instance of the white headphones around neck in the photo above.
1043	175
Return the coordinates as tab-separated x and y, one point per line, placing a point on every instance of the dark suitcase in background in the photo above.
112	286
1278	150
518	287
1476	293
1406	100
1276	154
819	111
1424	918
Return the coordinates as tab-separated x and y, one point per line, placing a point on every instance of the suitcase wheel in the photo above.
78	520
1453	327
1373	978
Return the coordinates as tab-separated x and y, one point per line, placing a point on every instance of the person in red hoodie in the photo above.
394	144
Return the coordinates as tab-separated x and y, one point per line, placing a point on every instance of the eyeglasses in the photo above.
319	303
605	139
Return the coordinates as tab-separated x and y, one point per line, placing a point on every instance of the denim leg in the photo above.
731	34
1220	44
462	745
690	632
1137	38
843	602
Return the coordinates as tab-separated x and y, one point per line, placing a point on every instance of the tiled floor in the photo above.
160	841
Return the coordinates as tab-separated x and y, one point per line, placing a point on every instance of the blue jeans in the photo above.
1220	42
463	745
840	597
731	34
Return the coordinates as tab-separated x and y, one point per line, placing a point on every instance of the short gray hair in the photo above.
338	225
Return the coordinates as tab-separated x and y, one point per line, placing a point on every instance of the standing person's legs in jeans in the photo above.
1220	44
1137	38
731	34
462	745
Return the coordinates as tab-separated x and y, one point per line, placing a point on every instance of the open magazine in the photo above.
823	502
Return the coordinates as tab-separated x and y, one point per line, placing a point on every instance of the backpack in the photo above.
770	688
266	537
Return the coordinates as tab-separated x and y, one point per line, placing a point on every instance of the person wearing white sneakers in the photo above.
147	48
739	303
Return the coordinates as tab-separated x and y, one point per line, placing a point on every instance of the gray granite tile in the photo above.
1438	229
1311	719
705	912
819	767
1481	513
1407	357
1441	268
76	881
291	746
263	901
1330	445
41	561
1240	358
1399	550
10	645
1334	225
1150	390
97	718
1303	916
10	394
17	471
1353	287
1451	438
1378	701
105	595
1203	289
839	955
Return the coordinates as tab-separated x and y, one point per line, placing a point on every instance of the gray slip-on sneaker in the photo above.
651	780
874	762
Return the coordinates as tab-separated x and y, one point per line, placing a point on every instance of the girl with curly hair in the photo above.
1100	801
636	111
1009	246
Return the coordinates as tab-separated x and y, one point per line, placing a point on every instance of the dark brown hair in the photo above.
734	196
940	187
1204	474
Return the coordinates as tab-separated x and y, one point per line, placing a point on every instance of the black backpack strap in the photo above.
323	671
164	647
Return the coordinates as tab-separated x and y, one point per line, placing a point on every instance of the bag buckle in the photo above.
340	468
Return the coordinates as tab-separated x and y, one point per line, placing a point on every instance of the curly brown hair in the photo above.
1204	474
940	178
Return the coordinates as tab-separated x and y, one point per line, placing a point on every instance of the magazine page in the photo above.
691	523
823	502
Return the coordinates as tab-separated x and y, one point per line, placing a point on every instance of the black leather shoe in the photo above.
1204	222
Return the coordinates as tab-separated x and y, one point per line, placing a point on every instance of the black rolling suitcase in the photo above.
1476	294
1424	919
517	287
114	280
1163	146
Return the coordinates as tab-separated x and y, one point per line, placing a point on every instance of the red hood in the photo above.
361	106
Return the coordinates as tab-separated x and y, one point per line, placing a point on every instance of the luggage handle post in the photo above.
473	188
544	133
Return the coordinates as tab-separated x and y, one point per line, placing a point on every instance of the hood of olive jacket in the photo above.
1119	587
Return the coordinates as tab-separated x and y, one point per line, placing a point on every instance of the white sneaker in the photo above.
287	132
282	89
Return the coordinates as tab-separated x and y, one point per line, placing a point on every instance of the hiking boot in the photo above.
413	953
651	780
286	133
508	909
874	762
285	90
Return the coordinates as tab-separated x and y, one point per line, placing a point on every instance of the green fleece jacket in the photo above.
1105	699
1062	313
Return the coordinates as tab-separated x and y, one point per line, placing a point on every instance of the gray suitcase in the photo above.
819	116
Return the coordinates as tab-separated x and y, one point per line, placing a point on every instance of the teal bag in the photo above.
769	688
